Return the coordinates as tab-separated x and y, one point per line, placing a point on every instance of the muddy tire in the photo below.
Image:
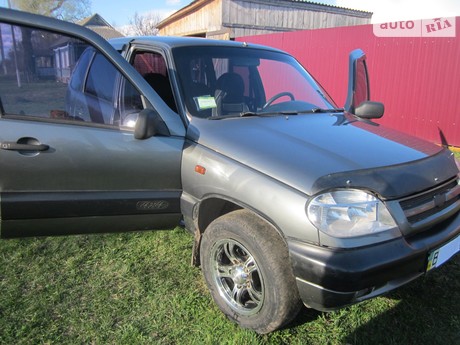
246	266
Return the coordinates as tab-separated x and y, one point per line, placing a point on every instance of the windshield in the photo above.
234	81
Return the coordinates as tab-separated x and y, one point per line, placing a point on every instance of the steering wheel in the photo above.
278	95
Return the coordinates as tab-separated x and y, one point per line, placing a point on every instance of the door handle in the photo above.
12	146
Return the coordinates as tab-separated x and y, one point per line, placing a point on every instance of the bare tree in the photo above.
69	10
146	24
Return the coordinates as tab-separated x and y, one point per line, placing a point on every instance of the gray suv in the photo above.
290	198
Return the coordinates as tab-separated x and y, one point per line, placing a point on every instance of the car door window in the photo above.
52	77
152	66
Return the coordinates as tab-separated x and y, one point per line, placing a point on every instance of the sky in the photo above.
119	13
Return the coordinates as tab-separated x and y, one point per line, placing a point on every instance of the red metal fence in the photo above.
417	78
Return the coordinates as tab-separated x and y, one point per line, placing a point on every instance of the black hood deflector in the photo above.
394	181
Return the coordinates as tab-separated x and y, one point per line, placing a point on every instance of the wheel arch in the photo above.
215	206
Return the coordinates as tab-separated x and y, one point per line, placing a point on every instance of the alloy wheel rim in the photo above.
237	276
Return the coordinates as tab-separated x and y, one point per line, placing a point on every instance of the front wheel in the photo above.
247	269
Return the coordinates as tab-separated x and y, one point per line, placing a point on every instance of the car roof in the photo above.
173	42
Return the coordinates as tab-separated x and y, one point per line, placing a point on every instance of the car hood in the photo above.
317	152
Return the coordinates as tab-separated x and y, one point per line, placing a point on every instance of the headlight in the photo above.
349	213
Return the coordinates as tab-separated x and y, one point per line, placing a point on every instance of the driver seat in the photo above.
229	95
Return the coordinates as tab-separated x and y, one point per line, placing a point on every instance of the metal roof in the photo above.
100	26
327	5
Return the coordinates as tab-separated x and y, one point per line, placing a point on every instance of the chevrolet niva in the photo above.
290	198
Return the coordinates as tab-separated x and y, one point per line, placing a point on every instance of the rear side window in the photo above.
79	73
101	79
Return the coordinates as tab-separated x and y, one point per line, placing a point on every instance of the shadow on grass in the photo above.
305	316
426	312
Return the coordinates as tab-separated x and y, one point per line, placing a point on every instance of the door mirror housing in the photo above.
370	110
149	123
358	97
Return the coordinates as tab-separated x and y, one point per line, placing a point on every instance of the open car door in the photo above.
70	160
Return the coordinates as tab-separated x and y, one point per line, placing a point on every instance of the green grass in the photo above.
139	288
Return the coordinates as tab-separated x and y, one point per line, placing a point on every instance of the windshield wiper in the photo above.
252	113
275	113
278	113
293	112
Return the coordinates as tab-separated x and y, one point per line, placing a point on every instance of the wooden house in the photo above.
67	52
228	19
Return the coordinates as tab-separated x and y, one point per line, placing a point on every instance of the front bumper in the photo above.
328	279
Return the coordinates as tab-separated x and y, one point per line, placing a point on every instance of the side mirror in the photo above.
370	110
358	96
149	123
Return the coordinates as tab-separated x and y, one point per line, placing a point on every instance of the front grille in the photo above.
424	205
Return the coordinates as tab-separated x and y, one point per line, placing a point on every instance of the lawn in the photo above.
139	288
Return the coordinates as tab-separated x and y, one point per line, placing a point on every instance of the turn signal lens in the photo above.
200	169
